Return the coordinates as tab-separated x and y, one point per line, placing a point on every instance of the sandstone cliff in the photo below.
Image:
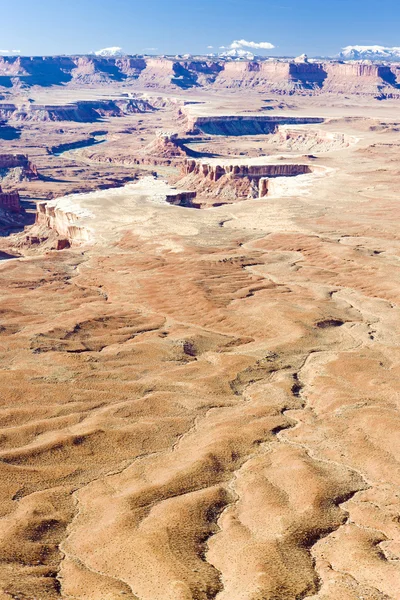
233	181
83	111
10	202
64	217
278	76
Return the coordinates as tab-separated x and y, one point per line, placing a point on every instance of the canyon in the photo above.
282	76
199	340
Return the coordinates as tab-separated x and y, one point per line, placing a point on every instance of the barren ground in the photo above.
204	404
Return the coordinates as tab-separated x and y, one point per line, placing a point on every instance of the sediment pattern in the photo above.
204	404
223	439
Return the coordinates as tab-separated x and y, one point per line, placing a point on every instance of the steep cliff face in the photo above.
292	137
97	70
228	182
12	161
11	202
359	78
131	67
162	72
252	74
307	75
275	76
244	125
81	112
64	217
158	73
278	76
195	73
215	171
15	168
43	71
395	70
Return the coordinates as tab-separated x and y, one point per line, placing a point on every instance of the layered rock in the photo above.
18	166
11	202
162	72
278	76
294	137
243	125
214	171
227	182
167	148
94	217
63	216
360	78
81	112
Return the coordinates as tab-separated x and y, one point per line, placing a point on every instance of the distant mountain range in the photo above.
113	51
370	53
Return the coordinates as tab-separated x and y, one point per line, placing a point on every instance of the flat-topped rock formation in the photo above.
96	217
16	168
215	169
309	139
229	181
10	162
280	76
10	202
84	111
229	125
166	148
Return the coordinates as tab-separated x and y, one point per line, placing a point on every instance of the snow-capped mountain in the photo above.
370	53
237	53
113	51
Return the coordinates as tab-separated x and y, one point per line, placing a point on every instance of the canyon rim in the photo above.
199	325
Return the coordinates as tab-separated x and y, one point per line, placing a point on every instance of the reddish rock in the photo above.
11	202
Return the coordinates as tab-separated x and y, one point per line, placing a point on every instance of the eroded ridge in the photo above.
203	404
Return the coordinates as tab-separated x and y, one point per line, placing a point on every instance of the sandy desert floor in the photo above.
204	404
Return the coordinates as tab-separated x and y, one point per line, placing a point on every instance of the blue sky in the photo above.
317	27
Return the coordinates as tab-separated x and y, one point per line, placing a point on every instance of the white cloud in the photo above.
210	47
236	44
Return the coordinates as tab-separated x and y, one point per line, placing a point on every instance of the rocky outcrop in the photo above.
11	202
215	171
63	217
228	182
164	150
81	112
15	168
167	148
162	72
244	125
10	162
275	76
360	78
292	137
291	76
183	199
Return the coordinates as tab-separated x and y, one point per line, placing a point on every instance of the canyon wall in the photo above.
84	111
11	202
64	219
213	172
218	183
14	161
273	75
243	125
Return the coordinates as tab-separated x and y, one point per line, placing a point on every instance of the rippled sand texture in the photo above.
209	406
